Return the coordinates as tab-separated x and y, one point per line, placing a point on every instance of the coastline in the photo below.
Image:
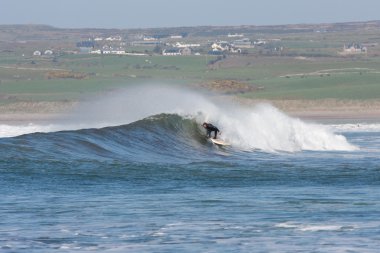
327	110
22	113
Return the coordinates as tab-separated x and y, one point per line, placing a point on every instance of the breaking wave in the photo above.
168	124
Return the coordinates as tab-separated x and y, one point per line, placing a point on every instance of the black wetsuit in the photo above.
211	128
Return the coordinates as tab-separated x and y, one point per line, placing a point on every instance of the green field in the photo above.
277	78
307	67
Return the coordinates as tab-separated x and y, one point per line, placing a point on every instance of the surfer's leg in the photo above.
215	134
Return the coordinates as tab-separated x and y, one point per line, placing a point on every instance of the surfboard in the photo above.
219	142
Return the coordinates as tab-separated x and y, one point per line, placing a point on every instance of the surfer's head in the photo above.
204	124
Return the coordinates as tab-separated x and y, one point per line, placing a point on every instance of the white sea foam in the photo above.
262	127
265	127
313	227
17	130
11	130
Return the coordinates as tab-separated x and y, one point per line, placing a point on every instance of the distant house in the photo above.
353	48
243	43
109	51
149	38
118	52
171	52
260	42
114	38
48	52
220	46
224	46
96	51
37	53
180	45
236	35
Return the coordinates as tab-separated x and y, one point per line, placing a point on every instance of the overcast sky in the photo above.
169	13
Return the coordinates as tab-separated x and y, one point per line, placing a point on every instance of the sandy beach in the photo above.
317	110
326	109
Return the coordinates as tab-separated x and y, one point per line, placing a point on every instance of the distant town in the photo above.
170	45
194	42
176	45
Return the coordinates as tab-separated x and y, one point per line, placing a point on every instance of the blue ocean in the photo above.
134	172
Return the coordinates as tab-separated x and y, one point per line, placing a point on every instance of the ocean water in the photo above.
152	182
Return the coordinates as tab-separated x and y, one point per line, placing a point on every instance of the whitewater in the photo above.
132	171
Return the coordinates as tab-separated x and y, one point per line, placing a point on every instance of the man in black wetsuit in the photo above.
210	128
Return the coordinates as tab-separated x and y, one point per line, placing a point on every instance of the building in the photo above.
236	35
180	45
220	46
260	42
353	48
171	52
224	46
118	52
243	43
149	38
48	52
114	38
37	53
96	51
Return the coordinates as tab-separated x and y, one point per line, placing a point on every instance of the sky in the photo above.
177	13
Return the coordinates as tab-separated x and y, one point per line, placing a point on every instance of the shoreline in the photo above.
323	111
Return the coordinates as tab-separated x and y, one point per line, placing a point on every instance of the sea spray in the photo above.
265	127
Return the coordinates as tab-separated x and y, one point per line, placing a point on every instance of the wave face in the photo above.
170	138
153	139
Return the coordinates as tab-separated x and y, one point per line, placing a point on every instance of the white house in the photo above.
224	46
260	42
48	52
353	49
171	52
37	53
236	35
114	38
180	45
118	52
96	51
243	43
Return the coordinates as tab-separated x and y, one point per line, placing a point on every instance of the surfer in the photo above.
211	128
